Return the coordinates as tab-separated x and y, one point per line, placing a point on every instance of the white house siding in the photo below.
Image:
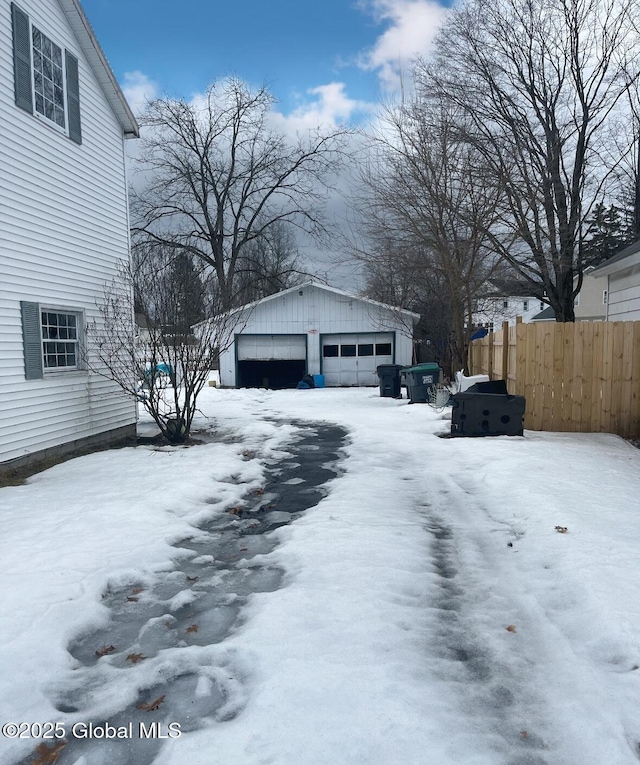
624	295
492	311
315	313
63	229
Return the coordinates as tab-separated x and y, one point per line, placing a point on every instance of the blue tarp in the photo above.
482	332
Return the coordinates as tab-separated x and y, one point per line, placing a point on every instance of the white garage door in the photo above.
353	359
270	347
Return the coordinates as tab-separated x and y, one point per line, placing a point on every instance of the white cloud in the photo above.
412	26
326	106
138	89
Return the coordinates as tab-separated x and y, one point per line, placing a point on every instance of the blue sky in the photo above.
329	58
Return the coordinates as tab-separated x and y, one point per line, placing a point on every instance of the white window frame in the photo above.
36	113
605	297
77	341
525	305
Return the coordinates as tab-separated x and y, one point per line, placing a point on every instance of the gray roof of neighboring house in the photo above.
141	321
614	263
547	315
497	288
100	66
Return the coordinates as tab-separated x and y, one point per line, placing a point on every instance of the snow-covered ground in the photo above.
430	613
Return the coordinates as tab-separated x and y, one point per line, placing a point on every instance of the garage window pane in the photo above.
365	350
348	350
330	351
383	349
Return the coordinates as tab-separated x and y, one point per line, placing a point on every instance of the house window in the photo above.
365	350
348	350
541	306
330	351
505	303
383	349
605	297
46	76
59	339
576	300
525	305
51	339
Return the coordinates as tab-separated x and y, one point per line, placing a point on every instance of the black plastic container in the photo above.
389	376
477	413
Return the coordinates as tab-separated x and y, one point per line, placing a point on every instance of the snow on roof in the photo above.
98	61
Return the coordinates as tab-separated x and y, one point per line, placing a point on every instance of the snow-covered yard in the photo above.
430	611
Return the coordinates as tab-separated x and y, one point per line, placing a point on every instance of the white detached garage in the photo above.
315	329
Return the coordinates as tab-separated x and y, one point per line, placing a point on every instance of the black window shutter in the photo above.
32	339
73	97
21	59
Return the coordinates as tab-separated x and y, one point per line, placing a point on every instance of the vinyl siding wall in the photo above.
591	307
63	230
314	313
624	295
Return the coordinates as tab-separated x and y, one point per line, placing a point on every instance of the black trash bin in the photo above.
389	376
420	380
486	409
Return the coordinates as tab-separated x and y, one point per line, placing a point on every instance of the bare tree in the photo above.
268	264
221	176
164	364
626	194
405	278
426	204
538	82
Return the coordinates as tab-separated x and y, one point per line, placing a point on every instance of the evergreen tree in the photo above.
608	231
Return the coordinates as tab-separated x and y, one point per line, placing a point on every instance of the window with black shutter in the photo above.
46	80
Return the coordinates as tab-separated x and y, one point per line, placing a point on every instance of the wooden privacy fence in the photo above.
582	377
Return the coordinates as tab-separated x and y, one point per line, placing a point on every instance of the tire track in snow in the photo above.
470	641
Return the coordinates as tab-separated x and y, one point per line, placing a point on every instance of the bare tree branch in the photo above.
222	177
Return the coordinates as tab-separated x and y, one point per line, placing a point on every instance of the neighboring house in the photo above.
64	228
504	301
620	276
142	336
315	329
590	303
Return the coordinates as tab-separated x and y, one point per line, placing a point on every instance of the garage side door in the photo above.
272	347
353	359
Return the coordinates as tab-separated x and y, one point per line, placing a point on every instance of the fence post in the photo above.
490	356
505	351
521	356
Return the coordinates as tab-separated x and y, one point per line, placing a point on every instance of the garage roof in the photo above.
335	290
